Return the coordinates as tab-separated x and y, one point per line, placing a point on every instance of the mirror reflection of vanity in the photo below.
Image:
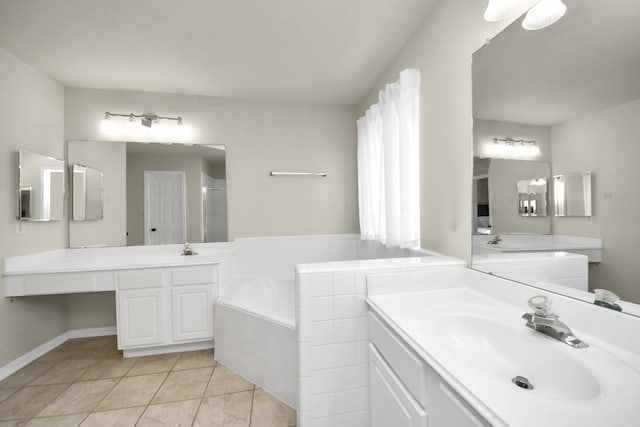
153	193
575	92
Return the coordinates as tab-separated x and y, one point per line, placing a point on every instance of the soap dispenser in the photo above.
606	298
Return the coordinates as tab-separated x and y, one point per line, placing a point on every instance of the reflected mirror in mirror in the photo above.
86	193
572	194
576	92
41	187
154	193
532	197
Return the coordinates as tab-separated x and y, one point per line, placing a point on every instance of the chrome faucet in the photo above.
495	240
188	251
543	320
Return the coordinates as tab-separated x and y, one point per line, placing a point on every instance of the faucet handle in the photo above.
541	305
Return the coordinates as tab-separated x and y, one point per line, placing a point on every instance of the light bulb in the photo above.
543	14
179	132
498	10
107	126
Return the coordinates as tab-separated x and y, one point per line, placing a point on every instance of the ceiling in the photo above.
586	62
311	51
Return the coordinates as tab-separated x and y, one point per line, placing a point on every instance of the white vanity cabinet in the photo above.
162	309
405	391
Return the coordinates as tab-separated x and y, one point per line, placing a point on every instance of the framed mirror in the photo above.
575	91
86	193
154	193
40	187
532	196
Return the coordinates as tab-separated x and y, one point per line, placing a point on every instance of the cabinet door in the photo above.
391	404
140	317
192	312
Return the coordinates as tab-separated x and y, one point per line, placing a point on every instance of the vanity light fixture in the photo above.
152	122
541	15
514	148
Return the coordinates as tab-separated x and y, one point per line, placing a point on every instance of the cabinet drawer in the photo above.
391	403
194	275
139	279
411	370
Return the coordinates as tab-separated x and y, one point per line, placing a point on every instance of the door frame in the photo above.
147	209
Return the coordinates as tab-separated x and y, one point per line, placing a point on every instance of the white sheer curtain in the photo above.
388	164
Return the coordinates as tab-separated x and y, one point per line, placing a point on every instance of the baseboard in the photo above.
91	332
42	349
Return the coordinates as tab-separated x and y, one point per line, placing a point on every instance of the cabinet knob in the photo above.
153	229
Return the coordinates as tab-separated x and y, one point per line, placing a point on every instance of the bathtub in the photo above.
255	334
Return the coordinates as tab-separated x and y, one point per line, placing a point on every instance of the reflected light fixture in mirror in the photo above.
513	148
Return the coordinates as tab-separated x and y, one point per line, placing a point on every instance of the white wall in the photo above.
111	159
32	110
259	138
442	48
606	143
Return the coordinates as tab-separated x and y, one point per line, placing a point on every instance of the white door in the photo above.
164	207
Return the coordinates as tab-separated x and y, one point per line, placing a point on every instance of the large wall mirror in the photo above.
573	88
40	187
154	193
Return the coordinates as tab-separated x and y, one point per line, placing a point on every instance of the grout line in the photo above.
253	397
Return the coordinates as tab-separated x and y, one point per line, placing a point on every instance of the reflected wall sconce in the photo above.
149	123
514	148
541	15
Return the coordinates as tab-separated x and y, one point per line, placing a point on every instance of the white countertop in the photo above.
414	317
110	258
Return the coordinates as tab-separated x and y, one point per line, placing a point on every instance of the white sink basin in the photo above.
505	352
478	344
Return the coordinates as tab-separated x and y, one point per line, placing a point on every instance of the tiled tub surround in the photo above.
255	313
333	333
393	296
87	382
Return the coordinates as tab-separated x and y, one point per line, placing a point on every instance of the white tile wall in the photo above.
333	337
335	369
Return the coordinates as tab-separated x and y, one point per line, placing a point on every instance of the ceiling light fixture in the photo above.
543	14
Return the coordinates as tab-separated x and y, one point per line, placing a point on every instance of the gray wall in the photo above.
32	111
442	48
607	144
259	137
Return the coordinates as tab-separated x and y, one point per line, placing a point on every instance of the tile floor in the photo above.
87	382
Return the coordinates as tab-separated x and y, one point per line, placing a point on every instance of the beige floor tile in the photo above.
7	392
67	371
13	423
81	397
229	410
154	364
174	414
195	359
226	381
29	401
61	421
116	418
25	375
132	391
112	367
268	411
183	385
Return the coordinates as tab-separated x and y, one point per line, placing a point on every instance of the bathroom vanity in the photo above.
451	347
164	301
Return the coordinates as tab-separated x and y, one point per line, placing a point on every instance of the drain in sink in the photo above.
522	382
